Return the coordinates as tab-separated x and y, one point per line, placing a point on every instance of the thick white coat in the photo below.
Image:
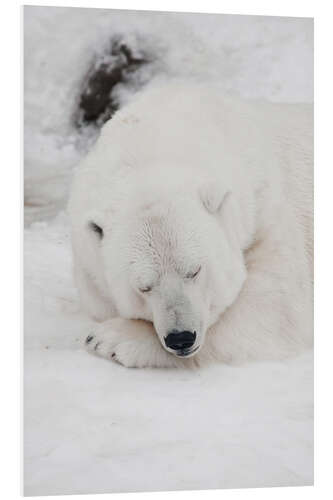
185	179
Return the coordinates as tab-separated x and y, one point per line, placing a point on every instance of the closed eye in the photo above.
194	274
145	289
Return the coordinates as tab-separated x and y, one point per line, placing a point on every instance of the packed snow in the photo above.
92	426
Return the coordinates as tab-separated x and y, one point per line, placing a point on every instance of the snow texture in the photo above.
92	426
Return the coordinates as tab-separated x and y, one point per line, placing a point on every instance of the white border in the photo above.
245	7
11	240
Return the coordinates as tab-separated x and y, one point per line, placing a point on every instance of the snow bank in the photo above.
252	56
92	426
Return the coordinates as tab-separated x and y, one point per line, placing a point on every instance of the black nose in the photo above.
180	340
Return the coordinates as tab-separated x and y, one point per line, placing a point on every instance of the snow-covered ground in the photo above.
91	425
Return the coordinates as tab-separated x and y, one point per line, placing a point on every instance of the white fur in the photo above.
181	178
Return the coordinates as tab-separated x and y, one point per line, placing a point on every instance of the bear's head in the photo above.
175	260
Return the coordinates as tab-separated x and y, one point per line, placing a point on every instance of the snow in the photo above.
92	426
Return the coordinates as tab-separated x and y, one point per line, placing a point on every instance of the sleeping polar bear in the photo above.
192	229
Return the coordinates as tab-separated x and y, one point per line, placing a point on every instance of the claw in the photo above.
96	346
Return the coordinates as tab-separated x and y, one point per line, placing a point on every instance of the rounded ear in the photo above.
94	224
95	228
213	197
235	221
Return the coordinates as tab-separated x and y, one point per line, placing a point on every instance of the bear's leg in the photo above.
132	343
91	299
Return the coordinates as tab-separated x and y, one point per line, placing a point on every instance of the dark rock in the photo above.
97	102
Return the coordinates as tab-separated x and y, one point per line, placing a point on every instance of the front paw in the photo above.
101	345
128	342
133	344
124	352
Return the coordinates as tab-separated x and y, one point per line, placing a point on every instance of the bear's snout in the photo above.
180	341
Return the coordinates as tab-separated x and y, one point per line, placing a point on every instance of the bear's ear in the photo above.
95	228
94	224
222	203
213	197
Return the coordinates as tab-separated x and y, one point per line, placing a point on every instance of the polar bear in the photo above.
192	229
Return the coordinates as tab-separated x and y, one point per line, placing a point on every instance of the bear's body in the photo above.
182	177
